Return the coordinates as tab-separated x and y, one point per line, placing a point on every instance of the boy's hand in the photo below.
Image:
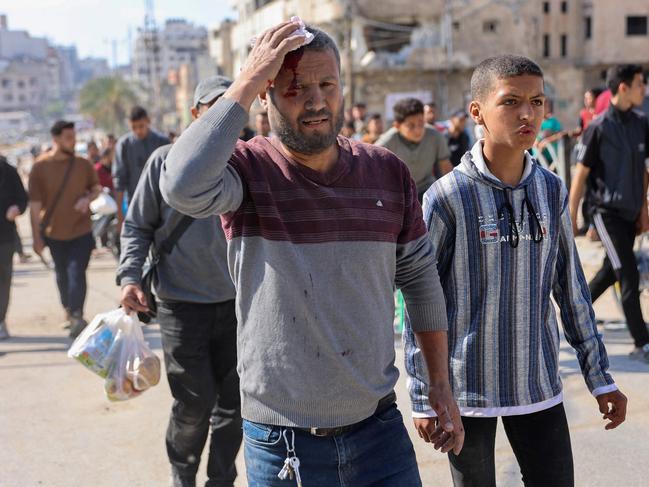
12	212
82	205
445	432
613	406
575	227
38	245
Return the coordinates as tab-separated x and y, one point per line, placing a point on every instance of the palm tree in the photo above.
107	101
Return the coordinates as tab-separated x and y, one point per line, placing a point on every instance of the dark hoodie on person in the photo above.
12	192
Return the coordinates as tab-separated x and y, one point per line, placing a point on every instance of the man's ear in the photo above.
623	88
263	100
475	110
194	111
396	125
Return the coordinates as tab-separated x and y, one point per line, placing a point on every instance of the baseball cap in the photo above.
211	88
459	113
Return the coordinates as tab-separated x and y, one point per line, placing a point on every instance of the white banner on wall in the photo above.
392	98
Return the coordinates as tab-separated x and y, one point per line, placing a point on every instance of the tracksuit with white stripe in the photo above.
615	147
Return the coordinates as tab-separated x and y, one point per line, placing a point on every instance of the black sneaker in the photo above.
4	334
641	354
77	325
179	480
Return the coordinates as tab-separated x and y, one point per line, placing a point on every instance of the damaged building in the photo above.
392	48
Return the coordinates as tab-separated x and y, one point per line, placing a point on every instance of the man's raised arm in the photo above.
196	178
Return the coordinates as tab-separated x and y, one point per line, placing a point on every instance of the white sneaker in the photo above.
4	334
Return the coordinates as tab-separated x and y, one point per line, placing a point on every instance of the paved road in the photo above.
57	429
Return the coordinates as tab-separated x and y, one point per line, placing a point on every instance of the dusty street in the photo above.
57	429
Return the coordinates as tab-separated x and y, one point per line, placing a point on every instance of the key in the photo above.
295	466
286	471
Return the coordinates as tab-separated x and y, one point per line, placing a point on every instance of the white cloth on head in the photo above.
308	36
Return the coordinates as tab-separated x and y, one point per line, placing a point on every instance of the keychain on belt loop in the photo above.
292	463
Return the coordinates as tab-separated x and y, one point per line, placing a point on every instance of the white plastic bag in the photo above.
113	347
92	346
103	204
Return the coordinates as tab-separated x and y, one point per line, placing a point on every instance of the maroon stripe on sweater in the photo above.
368	196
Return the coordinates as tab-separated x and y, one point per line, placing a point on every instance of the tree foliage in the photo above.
108	101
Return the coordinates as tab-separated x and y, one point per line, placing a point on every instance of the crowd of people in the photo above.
275	253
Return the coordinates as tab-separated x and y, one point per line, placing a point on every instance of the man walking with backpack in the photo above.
61	187
196	313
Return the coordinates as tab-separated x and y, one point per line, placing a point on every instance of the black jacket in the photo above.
614	147
12	192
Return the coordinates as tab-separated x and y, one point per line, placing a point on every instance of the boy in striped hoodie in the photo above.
500	226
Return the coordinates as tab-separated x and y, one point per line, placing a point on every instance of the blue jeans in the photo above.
378	453
71	258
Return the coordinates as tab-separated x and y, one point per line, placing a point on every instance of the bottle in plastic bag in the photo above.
133	367
92	346
113	347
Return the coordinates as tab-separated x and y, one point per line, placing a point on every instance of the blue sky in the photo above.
92	24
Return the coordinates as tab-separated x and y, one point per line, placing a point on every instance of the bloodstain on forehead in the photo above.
292	59
291	62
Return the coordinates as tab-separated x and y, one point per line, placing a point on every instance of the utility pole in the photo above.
152	50
348	59
114	54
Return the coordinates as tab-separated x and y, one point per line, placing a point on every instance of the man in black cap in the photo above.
195	301
457	138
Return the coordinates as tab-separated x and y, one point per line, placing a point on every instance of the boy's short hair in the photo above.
59	126
622	73
375	116
137	113
406	108
500	67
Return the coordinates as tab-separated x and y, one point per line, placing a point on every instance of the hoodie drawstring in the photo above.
511	220
536	230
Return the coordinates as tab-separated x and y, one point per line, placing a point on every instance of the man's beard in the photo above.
301	142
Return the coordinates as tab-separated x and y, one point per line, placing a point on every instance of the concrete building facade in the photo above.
23	85
391	48
179	42
180	50
220	46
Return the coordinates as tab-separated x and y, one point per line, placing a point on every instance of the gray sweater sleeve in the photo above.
416	272
196	178
141	222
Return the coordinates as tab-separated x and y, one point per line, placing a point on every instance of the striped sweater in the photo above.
314	258
498	274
